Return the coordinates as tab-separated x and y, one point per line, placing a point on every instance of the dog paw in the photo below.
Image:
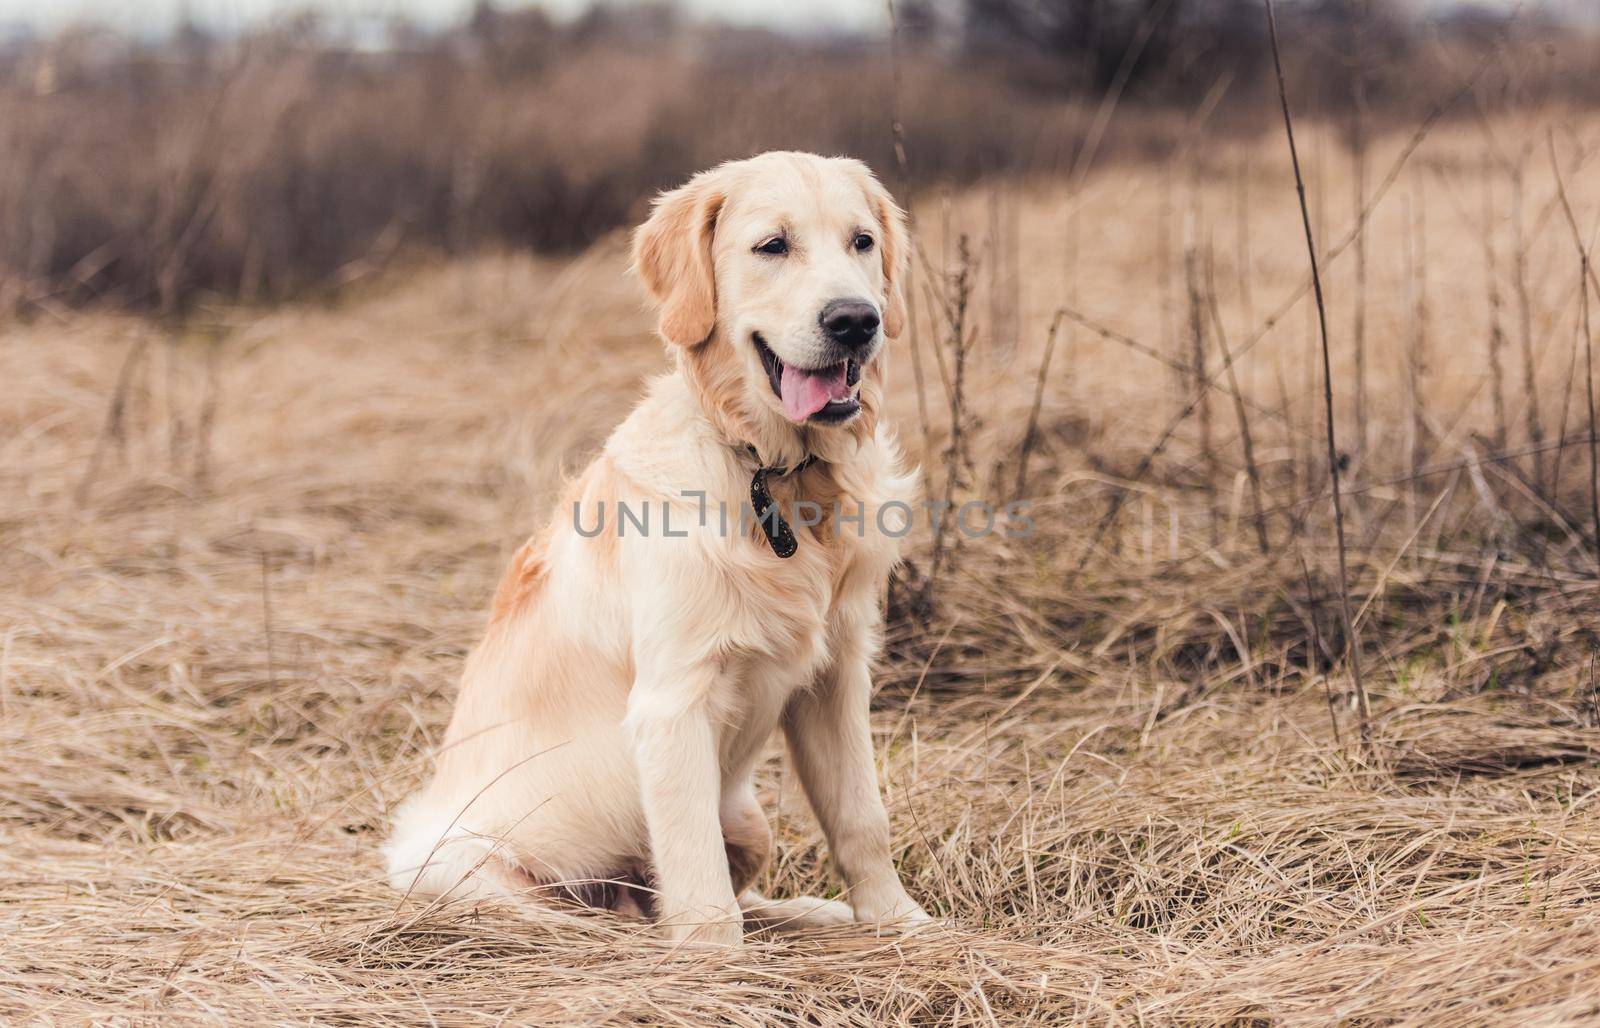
899	918
823	913
721	933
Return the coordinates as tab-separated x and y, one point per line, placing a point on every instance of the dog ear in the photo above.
895	248
672	255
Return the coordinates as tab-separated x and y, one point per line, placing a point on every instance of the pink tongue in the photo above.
805	392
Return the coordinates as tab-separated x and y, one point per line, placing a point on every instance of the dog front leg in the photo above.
830	741
675	751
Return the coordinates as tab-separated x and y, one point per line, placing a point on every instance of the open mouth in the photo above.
812	394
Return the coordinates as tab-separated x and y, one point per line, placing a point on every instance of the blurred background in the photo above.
156	153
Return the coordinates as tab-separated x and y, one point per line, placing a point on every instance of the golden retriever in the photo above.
603	741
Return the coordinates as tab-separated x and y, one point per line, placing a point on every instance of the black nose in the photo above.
850	323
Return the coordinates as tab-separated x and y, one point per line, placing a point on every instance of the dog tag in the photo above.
779	536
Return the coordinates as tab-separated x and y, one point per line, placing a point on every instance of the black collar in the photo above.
779	535
774	470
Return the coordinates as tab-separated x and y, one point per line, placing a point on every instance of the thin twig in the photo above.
115	411
1182	368
1038	402
1352	641
1594	448
1316	647
266	619
1196	379
1245	437
207	417
1358	160
1113	94
897	128
1519	287
956	457
1497	335
1586	276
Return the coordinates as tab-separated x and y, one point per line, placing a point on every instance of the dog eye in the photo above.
863	242
777	246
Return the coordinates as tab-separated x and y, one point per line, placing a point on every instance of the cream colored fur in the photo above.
609	721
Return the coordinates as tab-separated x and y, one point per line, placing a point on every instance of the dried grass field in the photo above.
245	555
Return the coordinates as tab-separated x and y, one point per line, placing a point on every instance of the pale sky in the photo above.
157	16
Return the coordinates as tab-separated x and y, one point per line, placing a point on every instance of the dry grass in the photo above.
227	653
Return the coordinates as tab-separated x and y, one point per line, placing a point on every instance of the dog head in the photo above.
781	277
